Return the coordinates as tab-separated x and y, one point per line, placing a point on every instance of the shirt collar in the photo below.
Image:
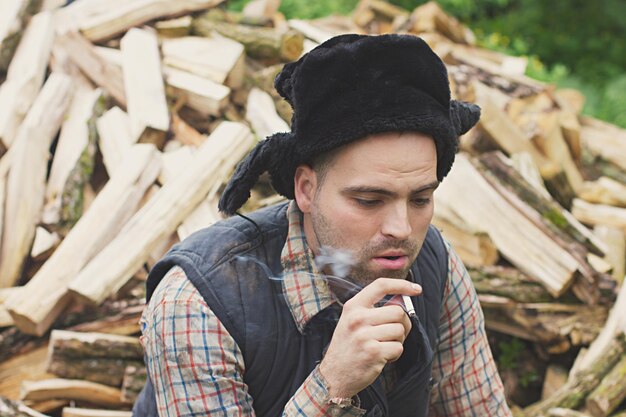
304	287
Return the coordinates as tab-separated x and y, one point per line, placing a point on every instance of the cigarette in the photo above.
408	305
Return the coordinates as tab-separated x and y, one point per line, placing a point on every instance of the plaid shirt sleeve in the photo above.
197	368
468	381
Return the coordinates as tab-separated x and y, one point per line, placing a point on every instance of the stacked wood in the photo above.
120	122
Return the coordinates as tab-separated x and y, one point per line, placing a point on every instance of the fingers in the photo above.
390	332
381	287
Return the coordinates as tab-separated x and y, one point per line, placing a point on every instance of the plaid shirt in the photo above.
197	368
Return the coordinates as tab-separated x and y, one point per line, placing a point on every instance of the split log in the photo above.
25	75
570	128
90	412
184	133
104	74
13	15
262	115
45	243
143	84
509	283
604	191
261	9
565	412
219	59
206	213
10	408
261	43
114	138
46	293
134	380
19	367
570	100
615	326
174	28
102	19
518	239
25	186
73	390
95	357
555	378
223	149
73	160
551	142
615	240
551	218
524	164
552	214
7	294
599	214
604	140
609	393
499	128
430	17
572	395
310	30
203	95
474	247
264	79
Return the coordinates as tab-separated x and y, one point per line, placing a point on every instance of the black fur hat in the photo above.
347	88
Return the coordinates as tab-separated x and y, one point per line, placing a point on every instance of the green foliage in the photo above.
510	353
302	9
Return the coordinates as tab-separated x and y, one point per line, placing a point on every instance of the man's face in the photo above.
375	200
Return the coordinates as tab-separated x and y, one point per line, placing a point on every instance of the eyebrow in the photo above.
381	191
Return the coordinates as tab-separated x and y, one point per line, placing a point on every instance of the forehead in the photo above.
391	156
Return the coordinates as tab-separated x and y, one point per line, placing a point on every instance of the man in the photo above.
241	320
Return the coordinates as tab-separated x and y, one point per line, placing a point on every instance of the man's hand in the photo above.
366	337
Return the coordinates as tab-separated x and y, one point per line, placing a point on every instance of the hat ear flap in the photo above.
463	116
237	191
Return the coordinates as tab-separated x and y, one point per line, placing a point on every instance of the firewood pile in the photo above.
120	121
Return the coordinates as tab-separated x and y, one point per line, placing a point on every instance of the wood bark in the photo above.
74	161
610	392
25	185
134	380
9	408
143	84
95	357
261	43
46	294
126	253
572	395
13	16
25	76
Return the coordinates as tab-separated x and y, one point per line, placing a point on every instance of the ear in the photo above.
305	186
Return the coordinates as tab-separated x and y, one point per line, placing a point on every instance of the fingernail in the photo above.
417	287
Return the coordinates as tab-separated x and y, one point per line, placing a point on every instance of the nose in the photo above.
396	223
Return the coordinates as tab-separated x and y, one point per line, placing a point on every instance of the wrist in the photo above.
333	387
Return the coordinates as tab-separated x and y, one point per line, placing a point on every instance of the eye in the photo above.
421	202
366	202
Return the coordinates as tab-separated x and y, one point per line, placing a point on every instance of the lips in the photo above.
391	260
